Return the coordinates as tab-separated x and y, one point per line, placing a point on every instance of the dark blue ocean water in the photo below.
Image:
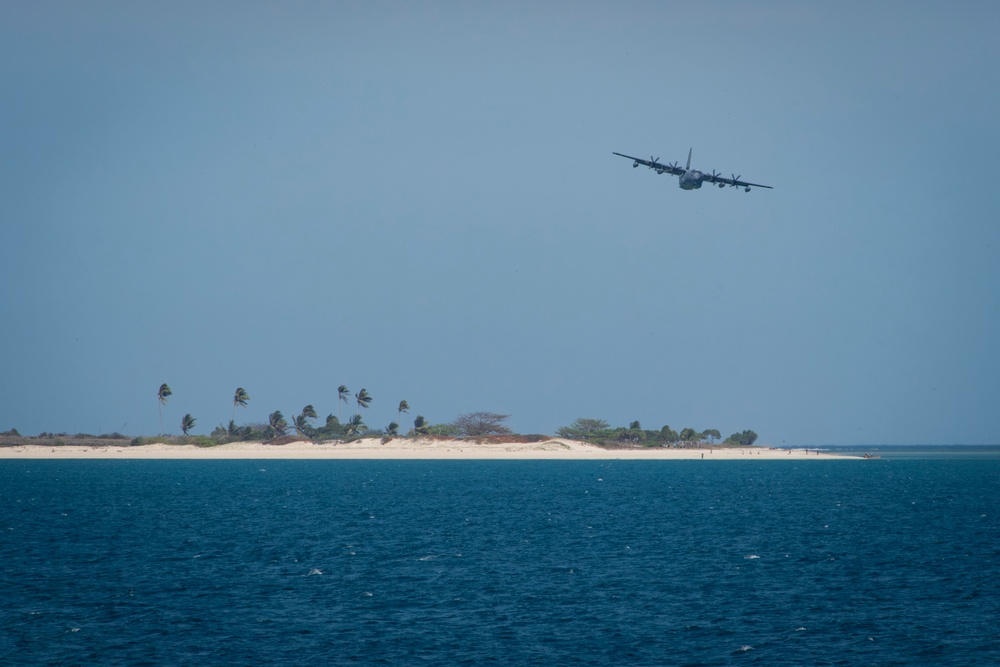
512	563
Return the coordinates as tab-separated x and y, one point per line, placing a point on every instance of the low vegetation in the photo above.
12	438
600	432
476	426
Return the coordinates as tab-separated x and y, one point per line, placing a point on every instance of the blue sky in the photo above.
420	199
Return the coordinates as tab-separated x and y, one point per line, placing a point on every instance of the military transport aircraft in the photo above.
691	179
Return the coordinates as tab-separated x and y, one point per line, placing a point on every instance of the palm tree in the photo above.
276	422
240	399
403	407
187	423
303	423
309	412
162	395
420	425
363	398
392	428
355	425
343	393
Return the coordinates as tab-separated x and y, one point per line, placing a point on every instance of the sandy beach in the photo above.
400	448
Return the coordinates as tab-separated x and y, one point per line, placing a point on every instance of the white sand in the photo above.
405	448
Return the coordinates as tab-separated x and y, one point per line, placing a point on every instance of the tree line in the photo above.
600	432
305	424
473	424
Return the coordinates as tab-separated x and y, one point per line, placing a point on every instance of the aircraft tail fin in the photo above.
688	168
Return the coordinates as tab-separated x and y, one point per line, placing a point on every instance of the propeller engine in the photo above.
735	178
715	175
655	164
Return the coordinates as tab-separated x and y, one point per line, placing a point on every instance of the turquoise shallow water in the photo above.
885	562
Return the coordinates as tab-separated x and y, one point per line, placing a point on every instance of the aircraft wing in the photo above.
735	182
654	163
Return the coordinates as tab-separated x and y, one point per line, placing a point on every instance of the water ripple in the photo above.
585	563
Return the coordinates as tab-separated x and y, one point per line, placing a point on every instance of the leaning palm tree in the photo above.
403	407
303	423
309	413
420	426
344	394
392	429
240	399
162	395
355	425
187	423
276	422
363	398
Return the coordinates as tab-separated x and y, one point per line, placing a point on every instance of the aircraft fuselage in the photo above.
690	180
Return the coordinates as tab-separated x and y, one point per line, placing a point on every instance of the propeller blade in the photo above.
735	178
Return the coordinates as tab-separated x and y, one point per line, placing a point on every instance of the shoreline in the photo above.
410	449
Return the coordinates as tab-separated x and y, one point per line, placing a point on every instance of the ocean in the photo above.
893	561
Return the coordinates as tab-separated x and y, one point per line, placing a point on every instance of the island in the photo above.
511	447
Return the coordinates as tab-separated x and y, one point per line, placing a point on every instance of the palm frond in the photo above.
241	397
355	425
363	398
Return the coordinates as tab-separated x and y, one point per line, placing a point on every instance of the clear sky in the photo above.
419	198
